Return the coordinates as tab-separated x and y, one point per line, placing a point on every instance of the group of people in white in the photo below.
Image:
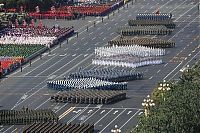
44	36
126	63
131	56
133	50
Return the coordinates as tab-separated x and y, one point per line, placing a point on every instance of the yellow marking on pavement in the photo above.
66	112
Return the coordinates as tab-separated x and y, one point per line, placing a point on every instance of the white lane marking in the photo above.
103	117
8	129
184	13
185	65
73	55
129	112
91	115
85	43
109	28
173	70
52	65
115	112
88	49
78	114
129	120
140	113
93	38
104	38
101	33
112	121
61	107
39	66
158	71
82	38
165	65
90	111
91	33
151	77
102	111
85	55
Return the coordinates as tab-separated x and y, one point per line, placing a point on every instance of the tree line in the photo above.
179	111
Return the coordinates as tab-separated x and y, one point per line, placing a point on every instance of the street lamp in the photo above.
163	87
147	104
116	130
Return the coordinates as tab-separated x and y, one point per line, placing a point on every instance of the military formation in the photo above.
142	41
131	50
144	30
26	116
154	16
108	74
83	96
50	127
86	83
126	61
167	23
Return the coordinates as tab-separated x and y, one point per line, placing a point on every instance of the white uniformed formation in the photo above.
127	56
133	50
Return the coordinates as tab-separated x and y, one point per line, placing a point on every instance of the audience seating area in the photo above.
50	127
89	96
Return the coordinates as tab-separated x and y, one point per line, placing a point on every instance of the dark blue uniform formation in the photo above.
89	96
143	22
86	83
150	16
108	74
50	127
143	41
26	116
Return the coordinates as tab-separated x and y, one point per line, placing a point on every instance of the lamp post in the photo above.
116	130
147	104
163	87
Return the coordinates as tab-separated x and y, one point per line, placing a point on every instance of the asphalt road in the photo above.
28	88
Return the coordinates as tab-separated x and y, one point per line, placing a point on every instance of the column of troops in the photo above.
86	83
126	61
144	30
108	74
142	41
27	116
167	23
89	96
49	127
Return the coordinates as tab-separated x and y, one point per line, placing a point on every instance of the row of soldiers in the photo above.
89	96
132	50
150	16
146	30
86	83
26	116
108	74
167	23
49	127
143	41
127	63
